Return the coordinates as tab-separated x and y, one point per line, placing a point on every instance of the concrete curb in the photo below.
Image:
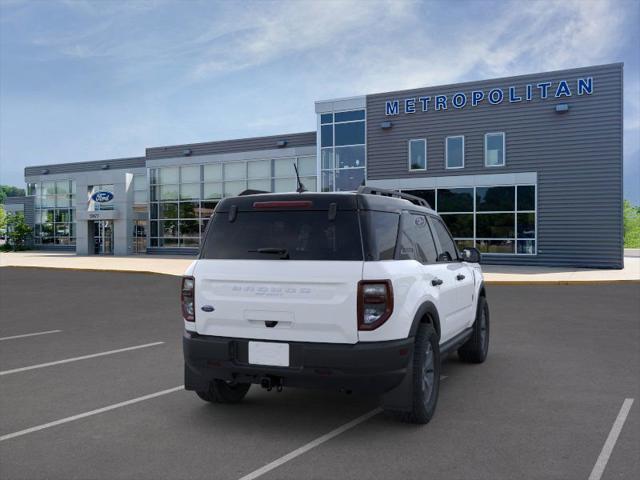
487	282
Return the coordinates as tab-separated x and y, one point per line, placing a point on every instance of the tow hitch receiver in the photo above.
269	382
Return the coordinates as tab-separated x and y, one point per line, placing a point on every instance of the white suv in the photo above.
362	292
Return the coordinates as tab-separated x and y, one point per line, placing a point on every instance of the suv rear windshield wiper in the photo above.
283	252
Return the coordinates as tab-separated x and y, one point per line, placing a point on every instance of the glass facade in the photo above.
342	150
495	220
183	198
54	212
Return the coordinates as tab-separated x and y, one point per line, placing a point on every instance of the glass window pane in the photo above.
327	158
62	201
326	134
190	173
349	179
207	208
168	210
283	167
234	188
455	200
62	187
307	166
168	242
349	116
381	234
213	172
264	185
49	188
169	192
349	157
527	197
189	209
349	133
309	183
284	185
327	181
455	152
168	228
417	154
154	176
213	190
460	226
462	244
259	169
526	247
235	171
495	225
190	242
153	211
62	216
495	246
447	245
189	191
139	182
526	225
154	193
168	175
189	228
495	199
154	229
326	118
494	151
428	195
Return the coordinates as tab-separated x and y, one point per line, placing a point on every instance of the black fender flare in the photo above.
426	309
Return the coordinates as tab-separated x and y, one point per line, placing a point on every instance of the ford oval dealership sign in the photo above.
102	197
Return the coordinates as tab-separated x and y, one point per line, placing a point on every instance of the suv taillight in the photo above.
375	303
187	299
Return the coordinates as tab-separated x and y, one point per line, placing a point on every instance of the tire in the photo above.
426	375
223	392
475	349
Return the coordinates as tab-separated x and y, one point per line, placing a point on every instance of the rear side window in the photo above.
448	251
416	242
380	230
292	235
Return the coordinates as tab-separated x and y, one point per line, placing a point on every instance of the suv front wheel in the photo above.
476	348
426	375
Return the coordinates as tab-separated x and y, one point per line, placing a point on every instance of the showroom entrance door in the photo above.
103	237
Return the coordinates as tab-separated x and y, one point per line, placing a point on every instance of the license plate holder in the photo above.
269	353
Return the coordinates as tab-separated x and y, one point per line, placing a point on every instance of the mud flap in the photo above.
194	381
400	399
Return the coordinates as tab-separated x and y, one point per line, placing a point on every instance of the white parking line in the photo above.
314	443
75	359
29	335
89	414
601	463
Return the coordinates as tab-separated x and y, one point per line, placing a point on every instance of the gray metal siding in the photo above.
231	146
97	165
577	156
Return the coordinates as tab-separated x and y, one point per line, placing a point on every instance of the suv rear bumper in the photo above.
375	367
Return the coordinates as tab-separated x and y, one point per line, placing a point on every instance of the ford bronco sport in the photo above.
361	292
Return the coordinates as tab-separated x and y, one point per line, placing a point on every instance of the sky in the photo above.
88	80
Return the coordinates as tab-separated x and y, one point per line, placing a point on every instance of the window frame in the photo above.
504	149
446	152
426	163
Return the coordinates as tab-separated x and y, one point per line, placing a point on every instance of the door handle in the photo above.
460	277
436	281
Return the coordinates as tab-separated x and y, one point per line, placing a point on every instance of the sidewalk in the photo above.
176	265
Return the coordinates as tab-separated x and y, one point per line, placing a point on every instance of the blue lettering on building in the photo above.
392	107
410	105
459	100
495	96
425	103
441	102
512	95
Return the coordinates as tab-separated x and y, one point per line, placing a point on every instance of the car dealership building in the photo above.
528	169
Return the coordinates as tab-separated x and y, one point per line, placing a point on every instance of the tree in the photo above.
3	219
17	231
631	225
9	191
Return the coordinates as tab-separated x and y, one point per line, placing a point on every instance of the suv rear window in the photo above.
275	235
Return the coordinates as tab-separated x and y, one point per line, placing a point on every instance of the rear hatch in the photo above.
281	268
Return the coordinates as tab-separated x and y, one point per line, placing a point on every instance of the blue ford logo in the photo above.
102	197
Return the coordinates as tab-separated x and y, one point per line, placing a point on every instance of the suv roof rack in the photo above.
394	193
251	191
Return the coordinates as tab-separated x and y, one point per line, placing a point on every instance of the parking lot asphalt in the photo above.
562	361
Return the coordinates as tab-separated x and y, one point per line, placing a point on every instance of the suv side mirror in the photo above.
471	255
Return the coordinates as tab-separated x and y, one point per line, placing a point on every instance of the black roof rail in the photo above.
394	193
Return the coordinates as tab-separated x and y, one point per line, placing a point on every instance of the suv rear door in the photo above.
285	272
